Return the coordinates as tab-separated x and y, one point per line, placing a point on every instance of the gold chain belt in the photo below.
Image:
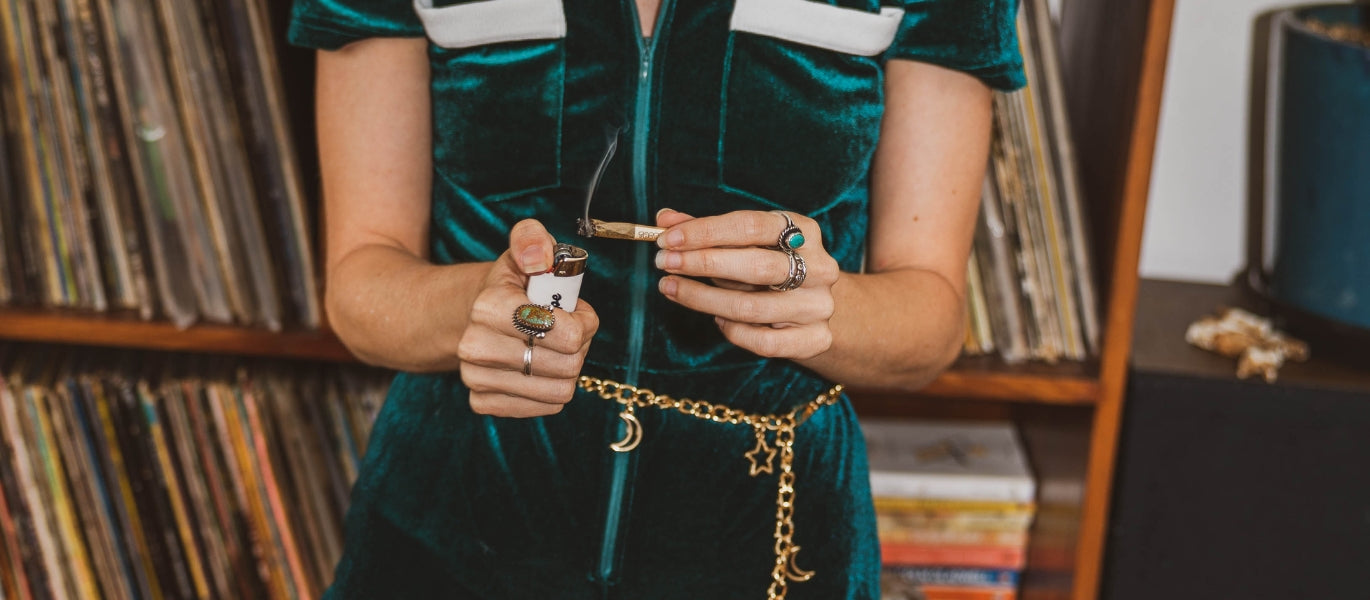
761	457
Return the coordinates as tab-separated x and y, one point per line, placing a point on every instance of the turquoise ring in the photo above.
791	238
534	321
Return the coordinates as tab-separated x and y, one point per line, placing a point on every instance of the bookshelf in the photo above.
1115	56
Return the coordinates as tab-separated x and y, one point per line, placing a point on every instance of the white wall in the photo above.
1195	220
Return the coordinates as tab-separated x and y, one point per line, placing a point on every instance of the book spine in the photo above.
988	557
956	577
967	593
893	484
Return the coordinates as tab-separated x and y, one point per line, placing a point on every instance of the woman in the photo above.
458	143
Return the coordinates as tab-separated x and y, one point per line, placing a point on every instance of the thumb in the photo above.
531	247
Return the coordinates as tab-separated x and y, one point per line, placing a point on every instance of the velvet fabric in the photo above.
454	504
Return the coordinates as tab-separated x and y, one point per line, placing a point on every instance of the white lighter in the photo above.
560	287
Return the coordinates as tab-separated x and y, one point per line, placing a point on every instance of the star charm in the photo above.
754	455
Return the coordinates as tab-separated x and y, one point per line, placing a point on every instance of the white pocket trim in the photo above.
817	24
492	21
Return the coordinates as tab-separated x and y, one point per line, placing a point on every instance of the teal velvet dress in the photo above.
722	113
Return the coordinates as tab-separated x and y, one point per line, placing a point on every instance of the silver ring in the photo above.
791	238
798	271
528	358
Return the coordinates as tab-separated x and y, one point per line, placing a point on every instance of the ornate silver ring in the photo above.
798	271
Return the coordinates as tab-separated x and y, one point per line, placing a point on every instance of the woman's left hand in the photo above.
738	252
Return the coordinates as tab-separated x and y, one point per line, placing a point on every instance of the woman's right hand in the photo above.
491	349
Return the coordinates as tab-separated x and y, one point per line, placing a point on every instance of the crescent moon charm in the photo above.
633	437
792	571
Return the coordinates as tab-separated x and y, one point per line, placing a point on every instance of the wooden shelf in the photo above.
128	331
978	378
990	378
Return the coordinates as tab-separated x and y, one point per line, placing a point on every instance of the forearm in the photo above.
396	310
892	330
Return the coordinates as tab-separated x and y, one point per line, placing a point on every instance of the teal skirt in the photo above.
451	504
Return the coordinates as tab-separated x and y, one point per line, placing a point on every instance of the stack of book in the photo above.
138	476
953	503
1030	280
146	163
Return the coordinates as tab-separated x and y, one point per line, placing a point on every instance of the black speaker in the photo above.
1236	489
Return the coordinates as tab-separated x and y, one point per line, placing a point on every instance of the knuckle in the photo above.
824	342
467	349
808	226
764	271
831	270
566	390
590	327
768	346
752	226
748	309
827	308
482	404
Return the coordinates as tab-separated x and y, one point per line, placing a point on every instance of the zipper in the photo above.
638	285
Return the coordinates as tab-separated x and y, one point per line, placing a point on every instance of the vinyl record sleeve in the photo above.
188	279
226	122
16	530
269	549
103	234
22	56
204	525
1049	210
319	415
306	454
183	517
256	79
69	166
231	515
83	476
75	569
1063	148
1028	212
262	431
151	495
999	276
136	555
111	184
1009	188
198	99
7	219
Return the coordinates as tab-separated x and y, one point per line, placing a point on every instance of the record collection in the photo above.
146	164
150	476
1030	282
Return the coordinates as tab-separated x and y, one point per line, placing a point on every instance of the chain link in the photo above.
783	426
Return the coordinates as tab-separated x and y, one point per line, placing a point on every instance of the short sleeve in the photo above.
332	24
979	37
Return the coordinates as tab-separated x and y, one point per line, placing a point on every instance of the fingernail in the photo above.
718	321
663	211
671	239
665	259
533	261
668	286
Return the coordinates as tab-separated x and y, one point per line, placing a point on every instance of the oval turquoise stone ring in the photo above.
534	320
791	238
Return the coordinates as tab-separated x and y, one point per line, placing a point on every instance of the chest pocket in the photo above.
803	96
499	80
